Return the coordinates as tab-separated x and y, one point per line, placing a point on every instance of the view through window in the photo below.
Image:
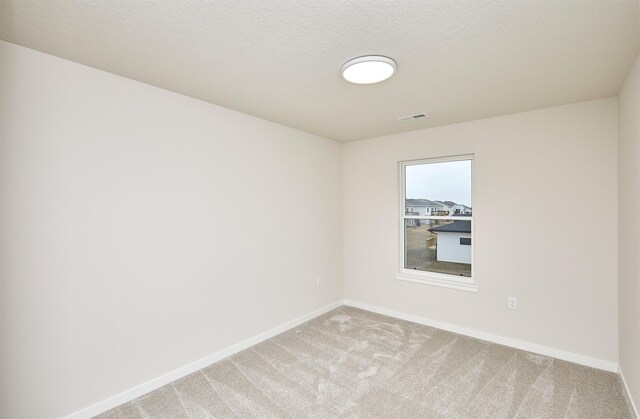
437	216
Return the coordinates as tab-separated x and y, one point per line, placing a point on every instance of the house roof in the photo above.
458	226
421	203
452	204
447	203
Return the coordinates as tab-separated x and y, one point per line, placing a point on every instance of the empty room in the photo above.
319	209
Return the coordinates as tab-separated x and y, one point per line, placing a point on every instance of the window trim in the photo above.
424	277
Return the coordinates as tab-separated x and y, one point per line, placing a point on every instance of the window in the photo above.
435	247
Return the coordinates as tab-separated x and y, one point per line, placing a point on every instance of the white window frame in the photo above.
425	277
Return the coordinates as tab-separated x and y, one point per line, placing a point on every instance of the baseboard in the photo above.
629	397
169	377
514	343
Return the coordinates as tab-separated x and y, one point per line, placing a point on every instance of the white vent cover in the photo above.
413	117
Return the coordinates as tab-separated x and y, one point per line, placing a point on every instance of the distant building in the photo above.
426	207
453	208
460	209
454	241
422	207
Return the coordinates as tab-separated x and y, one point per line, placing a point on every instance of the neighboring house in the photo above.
453	208
447	207
460	209
426	207
454	241
422	207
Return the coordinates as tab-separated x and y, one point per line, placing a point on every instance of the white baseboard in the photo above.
169	377
629	397
514	343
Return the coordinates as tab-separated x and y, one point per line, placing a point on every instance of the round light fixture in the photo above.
368	69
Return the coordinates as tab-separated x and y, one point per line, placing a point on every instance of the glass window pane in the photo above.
436	246
438	188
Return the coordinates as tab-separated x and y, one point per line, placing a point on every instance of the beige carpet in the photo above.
352	363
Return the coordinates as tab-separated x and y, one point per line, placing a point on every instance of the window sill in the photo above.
445	283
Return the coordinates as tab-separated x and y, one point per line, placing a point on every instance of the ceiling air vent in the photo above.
412	117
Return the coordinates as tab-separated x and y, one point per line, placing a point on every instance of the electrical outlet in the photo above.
318	280
512	303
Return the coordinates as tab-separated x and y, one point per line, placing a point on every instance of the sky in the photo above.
446	181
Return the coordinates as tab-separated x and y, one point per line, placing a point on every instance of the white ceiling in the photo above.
280	60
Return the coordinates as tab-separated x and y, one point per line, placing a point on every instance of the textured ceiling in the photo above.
280	60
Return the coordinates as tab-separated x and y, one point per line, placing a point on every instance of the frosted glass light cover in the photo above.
369	69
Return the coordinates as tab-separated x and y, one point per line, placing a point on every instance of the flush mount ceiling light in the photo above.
368	69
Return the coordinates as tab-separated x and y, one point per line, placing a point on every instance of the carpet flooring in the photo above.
351	363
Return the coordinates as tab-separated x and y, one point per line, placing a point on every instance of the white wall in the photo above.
629	227
560	263
1	229
132	245
131	241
